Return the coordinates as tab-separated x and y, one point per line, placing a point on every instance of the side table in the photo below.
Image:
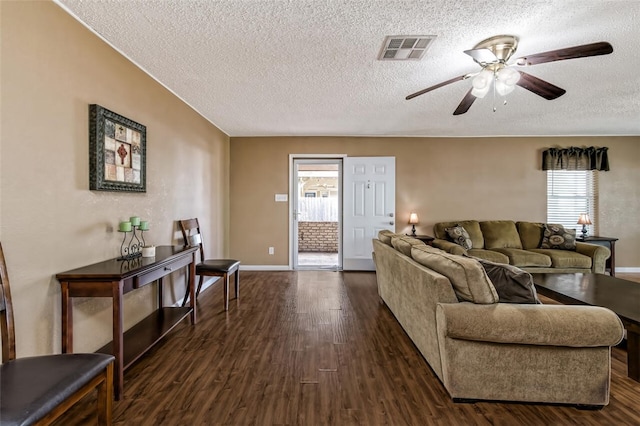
427	239
608	242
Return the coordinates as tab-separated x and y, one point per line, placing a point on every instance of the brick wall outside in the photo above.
318	237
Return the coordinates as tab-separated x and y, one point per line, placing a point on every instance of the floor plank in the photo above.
314	348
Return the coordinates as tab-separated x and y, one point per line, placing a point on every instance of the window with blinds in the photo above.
570	193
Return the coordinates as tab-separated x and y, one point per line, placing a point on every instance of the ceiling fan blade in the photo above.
583	51
466	103
444	83
540	87
482	56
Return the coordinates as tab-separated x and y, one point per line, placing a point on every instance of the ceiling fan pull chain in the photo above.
495	78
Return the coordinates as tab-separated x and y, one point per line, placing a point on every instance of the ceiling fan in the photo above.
492	55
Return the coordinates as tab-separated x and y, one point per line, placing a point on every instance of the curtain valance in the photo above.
575	158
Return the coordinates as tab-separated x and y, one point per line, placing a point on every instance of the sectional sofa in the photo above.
521	244
481	349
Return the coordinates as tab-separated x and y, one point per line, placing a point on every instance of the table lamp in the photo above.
584	221
413	221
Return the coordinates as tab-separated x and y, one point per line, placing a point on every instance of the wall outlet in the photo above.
271	250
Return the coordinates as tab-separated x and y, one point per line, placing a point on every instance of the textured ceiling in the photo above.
309	67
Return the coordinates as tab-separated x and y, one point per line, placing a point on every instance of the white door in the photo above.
369	206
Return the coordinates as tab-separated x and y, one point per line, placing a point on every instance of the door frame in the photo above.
293	243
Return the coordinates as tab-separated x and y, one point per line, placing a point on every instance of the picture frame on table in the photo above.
117	152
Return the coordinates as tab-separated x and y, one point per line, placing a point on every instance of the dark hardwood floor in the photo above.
315	348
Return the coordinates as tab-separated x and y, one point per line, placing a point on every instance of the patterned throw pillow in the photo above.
460	236
556	237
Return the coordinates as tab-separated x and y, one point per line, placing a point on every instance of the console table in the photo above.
114	278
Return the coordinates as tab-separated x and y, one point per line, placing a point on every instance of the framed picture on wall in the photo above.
117	152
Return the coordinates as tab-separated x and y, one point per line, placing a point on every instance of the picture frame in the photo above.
117	152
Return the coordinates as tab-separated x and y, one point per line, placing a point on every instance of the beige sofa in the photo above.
518	244
484	350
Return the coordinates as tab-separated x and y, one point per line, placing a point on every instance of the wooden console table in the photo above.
114	278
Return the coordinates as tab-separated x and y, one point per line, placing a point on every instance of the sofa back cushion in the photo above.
500	234
385	236
468	278
403	244
530	234
471	226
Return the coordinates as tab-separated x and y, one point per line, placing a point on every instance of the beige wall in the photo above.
52	69
439	178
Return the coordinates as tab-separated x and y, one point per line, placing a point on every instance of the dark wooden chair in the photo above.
37	390
210	267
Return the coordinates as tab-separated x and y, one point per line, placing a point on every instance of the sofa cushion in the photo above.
530	234
490	255
557	237
460	236
403	243
425	248
468	278
471	226
524	258
500	234
512	284
385	236
566	258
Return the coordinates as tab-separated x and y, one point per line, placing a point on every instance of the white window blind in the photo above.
570	193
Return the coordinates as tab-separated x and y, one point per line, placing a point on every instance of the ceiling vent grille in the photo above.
405	48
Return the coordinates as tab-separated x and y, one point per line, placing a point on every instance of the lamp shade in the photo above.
584	219
413	219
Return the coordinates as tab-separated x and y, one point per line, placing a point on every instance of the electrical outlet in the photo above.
271	250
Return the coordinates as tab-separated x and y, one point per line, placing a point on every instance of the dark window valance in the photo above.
575	158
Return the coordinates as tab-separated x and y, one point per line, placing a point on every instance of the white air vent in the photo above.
405	48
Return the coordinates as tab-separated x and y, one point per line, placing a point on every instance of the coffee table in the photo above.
621	296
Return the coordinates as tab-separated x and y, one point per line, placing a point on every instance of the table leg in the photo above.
67	319
192	288
118	339
612	259
160	293
633	355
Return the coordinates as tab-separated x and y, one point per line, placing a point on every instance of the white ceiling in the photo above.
309	67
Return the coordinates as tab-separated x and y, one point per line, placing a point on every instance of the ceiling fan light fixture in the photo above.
506	80
482	83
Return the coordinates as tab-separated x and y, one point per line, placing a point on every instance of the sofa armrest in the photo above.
549	325
598	254
448	246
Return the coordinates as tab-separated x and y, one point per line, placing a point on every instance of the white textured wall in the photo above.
52	69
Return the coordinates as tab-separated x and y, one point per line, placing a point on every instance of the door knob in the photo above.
390	214
391	223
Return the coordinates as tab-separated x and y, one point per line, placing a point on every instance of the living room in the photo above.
53	68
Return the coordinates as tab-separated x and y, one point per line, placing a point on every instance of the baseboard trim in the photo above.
628	270
264	267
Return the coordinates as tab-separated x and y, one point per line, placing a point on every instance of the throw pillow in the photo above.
556	237
512	284
460	236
